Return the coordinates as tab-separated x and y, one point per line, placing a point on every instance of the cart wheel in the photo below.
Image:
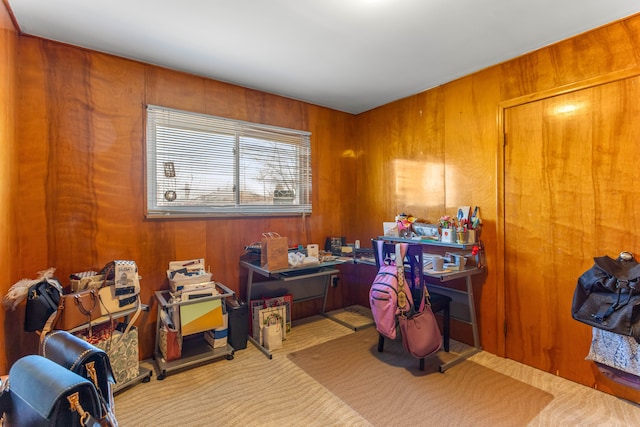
229	356
161	376
147	379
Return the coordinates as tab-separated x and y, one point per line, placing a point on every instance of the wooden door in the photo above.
572	183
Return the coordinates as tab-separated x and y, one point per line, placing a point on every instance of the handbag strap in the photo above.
404	303
86	418
48	326
379	252
271	235
79	302
605	311
130	324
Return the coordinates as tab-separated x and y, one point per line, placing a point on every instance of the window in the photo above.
199	165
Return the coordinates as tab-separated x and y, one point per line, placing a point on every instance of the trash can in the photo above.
238	311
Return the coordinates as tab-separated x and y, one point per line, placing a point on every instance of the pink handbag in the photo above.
420	333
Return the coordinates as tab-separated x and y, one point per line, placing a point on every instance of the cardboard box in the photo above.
180	281
217	338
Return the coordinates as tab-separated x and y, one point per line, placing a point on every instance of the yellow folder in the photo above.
201	316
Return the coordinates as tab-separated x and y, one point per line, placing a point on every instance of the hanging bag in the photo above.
42	301
84	359
385	297
607	296
170	342
418	327
43	297
43	393
420	332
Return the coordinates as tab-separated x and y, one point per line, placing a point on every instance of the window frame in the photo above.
246	134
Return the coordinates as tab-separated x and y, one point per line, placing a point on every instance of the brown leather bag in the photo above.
77	309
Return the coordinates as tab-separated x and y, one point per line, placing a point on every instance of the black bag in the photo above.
82	358
607	296
42	301
43	393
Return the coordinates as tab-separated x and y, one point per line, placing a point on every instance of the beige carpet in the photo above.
354	317
376	384
252	390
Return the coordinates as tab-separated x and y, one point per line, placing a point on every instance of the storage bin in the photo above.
238	332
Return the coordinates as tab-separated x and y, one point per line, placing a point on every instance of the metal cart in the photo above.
195	350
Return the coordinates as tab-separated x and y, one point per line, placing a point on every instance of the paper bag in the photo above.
170	343
285	300
272	336
274	253
266	316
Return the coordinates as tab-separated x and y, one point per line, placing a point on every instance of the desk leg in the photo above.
249	285
326	292
327	283
474	326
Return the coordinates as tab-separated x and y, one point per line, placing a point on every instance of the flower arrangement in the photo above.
445	221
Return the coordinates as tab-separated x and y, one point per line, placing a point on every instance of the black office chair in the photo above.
414	268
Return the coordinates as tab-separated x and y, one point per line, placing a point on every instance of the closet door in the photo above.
572	192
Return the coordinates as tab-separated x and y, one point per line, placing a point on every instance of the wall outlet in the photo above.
333	280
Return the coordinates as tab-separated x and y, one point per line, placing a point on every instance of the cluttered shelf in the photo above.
102	309
192	318
197	318
429	242
109	317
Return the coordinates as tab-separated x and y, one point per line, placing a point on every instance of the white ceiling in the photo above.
350	55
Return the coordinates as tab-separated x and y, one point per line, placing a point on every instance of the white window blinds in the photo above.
199	165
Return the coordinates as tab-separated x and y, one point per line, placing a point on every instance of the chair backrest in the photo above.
385	253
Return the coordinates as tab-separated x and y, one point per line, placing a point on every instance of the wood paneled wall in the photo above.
432	152
8	169
82	166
